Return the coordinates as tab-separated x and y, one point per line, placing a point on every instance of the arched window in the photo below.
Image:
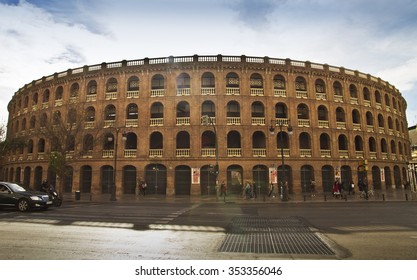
41	145
303	112
56	118
232	80
342	142
305	144
387	101
320	86
90	114
133	84
305	141
353	91
384	146
369	119
281	111
132	112
340	115
26	101
30	146
356	117
258	110
156	141
110	113
323	116
372	145
45	97
108	143
378	99
207	80
131	142
208	140
35	98
70	145
279	82
258	140
381	123
32	124
366	94
72	116
183	81
233	109
256	81
158	82
358	143
208	108
88	143
92	88
233	139
390	123
325	145
183	141
43	121
75	87
300	84
183	109
59	93
157	110
111	85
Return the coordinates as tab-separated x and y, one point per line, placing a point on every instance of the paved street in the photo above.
188	229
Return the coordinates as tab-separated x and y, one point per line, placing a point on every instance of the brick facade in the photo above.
338	117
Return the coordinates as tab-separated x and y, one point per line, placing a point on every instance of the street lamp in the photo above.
284	183
155	168
113	188
206	120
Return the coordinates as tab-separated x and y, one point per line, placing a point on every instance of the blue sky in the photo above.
39	38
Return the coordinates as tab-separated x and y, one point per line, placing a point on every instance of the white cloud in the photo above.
373	37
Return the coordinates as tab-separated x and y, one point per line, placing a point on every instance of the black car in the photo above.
14	195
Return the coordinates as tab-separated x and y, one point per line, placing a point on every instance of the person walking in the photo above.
271	191
313	188
336	189
223	189
352	188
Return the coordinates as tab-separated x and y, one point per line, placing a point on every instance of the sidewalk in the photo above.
381	196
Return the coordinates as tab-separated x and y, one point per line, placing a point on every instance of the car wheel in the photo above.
23	205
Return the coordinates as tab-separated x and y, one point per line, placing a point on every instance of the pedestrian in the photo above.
144	187
313	188
352	188
271	191
336	189
223	189
248	191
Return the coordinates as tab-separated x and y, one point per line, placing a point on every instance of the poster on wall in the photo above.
382	175
236	178
195	174
273	175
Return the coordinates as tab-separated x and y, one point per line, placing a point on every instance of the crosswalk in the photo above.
98	215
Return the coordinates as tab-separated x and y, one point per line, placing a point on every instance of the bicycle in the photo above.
362	194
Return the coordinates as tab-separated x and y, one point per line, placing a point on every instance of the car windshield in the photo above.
16	188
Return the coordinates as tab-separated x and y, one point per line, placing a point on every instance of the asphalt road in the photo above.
195	230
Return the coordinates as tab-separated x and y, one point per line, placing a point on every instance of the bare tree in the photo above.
68	140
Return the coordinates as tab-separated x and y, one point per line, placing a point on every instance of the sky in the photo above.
42	37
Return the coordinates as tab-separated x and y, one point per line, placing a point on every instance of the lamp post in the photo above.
155	168
284	183
206	120
113	187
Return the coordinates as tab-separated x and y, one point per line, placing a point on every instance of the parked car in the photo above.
14	195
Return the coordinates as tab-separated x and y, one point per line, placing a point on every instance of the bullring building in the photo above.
183	123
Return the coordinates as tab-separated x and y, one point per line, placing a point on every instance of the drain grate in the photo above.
272	236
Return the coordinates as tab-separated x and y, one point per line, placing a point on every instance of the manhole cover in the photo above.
272	236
